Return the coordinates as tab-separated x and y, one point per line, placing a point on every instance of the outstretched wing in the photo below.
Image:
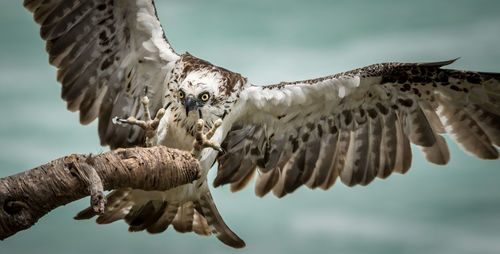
357	125
106	52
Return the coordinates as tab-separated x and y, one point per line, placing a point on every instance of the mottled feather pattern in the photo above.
156	211
143	211
104	51
360	124
195	75
353	126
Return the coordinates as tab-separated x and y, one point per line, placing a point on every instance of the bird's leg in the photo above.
203	140
148	124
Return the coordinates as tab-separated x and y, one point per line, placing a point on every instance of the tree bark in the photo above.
27	196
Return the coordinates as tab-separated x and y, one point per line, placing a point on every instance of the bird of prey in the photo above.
352	127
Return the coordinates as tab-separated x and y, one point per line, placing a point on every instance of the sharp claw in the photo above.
220	150
117	120
200	115
203	140
149	125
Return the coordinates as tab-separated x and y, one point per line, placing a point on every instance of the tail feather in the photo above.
144	210
145	215
113	199
183	220
164	220
217	225
266	181
200	224
113	215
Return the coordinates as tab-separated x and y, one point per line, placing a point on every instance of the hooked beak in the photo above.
190	104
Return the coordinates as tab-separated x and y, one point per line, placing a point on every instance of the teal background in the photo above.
432	209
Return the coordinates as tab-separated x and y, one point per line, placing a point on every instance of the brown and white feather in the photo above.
353	126
105	52
358	125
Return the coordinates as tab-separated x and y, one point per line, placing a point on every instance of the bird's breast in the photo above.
172	134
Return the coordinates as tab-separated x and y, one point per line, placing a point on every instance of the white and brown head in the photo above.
198	89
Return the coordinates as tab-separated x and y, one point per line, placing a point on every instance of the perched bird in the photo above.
352	126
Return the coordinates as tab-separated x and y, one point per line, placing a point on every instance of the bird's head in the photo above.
198	95
200	90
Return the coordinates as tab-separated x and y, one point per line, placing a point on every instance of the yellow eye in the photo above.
180	94
205	97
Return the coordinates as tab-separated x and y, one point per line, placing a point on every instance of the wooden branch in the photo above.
26	197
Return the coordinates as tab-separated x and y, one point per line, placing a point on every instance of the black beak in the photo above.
190	104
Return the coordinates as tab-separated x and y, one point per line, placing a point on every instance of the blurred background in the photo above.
431	209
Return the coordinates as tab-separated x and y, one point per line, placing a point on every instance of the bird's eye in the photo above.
180	94
204	96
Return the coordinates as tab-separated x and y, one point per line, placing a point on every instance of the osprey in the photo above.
352	126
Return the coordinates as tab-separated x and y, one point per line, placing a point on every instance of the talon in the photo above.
117	120
130	120
148	124
202	140
218	148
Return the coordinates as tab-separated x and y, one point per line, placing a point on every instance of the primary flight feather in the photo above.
354	126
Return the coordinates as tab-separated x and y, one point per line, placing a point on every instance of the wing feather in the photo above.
403	151
266	181
438	153
293	170
339	159
375	139
487	120
312	153
66	15
97	45
324	161
356	156
358	125
467	133
76	29
419	130
244	181
388	145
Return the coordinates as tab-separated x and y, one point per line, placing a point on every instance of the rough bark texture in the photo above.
27	196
